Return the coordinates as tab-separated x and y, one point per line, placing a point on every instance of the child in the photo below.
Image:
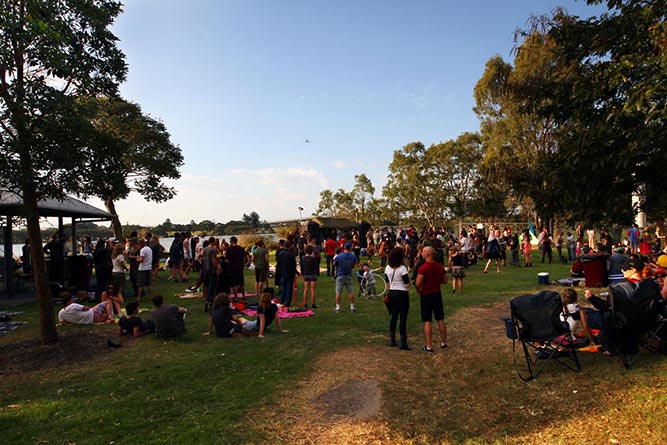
574	315
368	278
458	271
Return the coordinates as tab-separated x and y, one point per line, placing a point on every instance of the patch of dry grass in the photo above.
469	394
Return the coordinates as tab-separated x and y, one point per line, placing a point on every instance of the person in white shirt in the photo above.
398	287
75	313
145	260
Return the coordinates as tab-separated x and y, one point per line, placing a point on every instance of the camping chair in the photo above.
637	322
536	324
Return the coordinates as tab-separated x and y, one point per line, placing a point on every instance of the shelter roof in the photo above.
12	203
334	223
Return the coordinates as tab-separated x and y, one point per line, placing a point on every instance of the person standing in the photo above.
286	267
260	258
309	269
430	276
144	270
236	259
493	250
344	263
398	287
330	252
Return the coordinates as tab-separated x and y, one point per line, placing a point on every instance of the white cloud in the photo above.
274	193
339	164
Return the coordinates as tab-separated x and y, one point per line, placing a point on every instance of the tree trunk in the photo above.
47	322
116	226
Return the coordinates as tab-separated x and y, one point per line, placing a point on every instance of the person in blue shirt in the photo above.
344	263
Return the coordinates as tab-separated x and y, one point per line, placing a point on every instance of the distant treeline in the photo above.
165	229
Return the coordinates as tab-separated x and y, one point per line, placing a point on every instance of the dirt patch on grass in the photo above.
357	399
468	393
72	348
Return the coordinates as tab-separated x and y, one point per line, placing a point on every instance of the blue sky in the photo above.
241	84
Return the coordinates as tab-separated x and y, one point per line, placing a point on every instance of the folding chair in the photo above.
535	322
638	322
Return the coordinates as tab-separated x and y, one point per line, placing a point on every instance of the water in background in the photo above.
244	240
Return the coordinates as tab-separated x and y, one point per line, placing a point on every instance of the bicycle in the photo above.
372	290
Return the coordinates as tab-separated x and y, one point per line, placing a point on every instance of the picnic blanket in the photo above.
8	326
188	295
281	314
570	281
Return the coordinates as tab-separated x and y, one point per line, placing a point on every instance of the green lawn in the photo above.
200	389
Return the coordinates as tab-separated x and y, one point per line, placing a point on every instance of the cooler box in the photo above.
543	278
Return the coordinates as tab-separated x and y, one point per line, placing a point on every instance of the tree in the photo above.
326	205
51	54
133	153
611	101
454	169
521	145
252	220
413	191
362	193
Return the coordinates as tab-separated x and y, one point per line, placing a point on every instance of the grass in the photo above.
199	389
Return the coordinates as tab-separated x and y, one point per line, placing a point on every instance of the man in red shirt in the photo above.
430	276
330	251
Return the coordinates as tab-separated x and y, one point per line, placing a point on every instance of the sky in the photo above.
241	85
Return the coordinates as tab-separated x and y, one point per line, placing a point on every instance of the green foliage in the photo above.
51	54
608	93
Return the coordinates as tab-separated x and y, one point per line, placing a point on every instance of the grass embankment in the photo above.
300	387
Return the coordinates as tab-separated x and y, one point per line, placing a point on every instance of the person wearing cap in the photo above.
145	261
617	262
344	263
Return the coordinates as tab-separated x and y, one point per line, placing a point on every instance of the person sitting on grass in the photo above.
75	313
266	313
113	295
133	324
169	319
222	318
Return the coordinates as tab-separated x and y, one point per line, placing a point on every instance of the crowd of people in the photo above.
407	258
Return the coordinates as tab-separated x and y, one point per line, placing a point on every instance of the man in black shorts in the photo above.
430	276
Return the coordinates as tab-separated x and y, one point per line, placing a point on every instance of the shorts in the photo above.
99	312
261	274
310	278
431	307
236	278
344	281
252	325
143	278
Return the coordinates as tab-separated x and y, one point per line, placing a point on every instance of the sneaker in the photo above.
337	310
305	306
444	346
353	309
427	349
314	306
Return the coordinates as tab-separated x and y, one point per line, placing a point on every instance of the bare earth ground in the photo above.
32	355
467	394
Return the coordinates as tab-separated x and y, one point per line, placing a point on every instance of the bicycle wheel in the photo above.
380	285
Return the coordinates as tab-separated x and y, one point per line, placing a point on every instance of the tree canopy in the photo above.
51	55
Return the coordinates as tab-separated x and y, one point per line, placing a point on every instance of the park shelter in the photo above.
320	226
11	206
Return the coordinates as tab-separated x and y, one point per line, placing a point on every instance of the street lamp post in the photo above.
300	210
